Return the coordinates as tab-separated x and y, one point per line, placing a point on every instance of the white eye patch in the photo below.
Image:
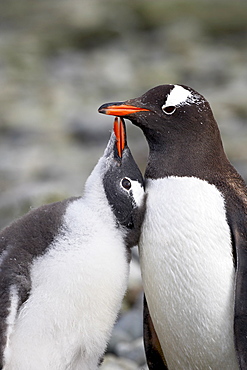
136	190
138	193
178	96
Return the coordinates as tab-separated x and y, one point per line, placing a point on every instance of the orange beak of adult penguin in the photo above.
120	109
120	133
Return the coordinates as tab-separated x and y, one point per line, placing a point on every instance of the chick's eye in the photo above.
126	184
169	110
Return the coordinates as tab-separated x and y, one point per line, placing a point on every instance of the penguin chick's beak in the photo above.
120	133
119	109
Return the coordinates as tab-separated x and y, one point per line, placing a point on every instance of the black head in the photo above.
124	184
179	126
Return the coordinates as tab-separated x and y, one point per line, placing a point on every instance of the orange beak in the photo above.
120	109
119	130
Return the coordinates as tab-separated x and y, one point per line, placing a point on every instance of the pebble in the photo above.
115	363
132	350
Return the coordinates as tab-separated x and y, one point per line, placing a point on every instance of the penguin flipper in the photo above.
236	211
14	291
4	312
154	354
240	311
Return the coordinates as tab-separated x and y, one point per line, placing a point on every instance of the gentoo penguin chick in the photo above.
64	268
193	247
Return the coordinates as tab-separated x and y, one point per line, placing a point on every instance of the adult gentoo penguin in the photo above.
193	246
64	268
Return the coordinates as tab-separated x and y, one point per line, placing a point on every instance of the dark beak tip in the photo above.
102	108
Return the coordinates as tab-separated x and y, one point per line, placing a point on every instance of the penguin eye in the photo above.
169	110
126	184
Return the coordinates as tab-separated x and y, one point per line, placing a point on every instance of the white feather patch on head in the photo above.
180	96
138	193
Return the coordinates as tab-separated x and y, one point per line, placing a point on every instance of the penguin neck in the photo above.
198	159
94	193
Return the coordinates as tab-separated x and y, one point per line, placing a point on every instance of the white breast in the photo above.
188	273
77	289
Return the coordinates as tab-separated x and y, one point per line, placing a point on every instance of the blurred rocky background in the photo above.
60	60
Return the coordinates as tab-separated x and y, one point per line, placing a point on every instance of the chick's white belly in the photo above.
188	273
77	289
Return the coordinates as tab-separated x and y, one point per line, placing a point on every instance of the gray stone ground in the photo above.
60	60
